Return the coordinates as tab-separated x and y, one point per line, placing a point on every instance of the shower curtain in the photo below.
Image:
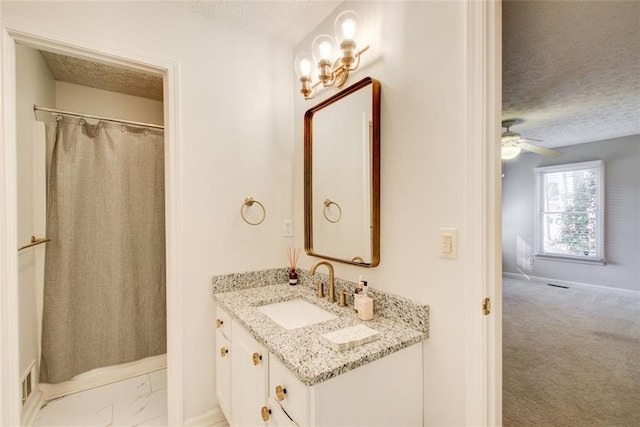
104	292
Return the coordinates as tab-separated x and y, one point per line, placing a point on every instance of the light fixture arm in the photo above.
337	76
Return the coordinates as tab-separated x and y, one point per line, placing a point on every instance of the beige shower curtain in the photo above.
104	294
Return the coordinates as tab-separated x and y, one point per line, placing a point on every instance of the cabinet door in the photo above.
277	416
223	323
289	392
223	373
249	372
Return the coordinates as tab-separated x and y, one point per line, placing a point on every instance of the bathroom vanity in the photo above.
270	372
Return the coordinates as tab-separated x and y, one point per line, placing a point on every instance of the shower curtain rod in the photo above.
90	116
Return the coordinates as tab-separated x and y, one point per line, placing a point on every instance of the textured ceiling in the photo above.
100	76
285	21
571	69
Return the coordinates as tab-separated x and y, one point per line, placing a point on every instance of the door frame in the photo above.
13	32
483	211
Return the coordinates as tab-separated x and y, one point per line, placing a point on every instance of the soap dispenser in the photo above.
364	304
357	294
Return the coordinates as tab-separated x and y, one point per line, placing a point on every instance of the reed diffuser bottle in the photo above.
293	260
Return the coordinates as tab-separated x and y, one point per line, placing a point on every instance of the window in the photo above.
570	212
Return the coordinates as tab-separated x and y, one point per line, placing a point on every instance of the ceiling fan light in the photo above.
510	137
509	152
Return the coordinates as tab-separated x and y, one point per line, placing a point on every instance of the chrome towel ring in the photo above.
327	205
249	201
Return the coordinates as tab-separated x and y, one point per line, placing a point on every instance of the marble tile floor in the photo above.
137	401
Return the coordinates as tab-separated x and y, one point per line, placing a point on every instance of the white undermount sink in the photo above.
296	313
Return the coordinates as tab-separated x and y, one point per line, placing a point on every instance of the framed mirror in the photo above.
342	176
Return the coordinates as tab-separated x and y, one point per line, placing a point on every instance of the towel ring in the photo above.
327	204
249	201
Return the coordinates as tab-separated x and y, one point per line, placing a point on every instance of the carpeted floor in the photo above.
571	357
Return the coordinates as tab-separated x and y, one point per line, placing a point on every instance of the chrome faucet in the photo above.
332	285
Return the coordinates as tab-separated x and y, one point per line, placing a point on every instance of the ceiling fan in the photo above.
513	143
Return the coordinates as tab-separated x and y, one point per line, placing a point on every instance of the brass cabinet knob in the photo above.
280	392
256	359
219	323
265	413
223	351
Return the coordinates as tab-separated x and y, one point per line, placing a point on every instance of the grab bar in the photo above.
34	242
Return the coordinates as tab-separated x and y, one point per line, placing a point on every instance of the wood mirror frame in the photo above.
372	162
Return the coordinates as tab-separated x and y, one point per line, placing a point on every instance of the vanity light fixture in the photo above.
330	71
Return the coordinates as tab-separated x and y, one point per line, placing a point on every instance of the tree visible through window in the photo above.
570	210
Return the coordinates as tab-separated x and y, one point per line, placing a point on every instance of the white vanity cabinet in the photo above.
256	389
386	392
241	373
223	361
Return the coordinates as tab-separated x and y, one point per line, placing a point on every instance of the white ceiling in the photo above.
571	69
284	21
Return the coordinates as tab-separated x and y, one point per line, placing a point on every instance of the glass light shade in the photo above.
303	65
324	47
509	152
346	26
510	137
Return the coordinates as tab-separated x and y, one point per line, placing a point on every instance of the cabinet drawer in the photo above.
287	390
223	322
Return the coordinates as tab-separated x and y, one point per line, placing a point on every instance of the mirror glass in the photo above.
342	176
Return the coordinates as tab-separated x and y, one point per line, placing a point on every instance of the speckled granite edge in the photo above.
250	279
394	307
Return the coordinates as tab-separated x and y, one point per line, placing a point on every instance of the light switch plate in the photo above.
448	243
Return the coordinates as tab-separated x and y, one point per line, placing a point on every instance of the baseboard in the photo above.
214	416
31	408
564	282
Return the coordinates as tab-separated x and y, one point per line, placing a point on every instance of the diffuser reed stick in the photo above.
293	261
293	255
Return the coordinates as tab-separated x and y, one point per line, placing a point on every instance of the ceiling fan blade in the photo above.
539	150
532	139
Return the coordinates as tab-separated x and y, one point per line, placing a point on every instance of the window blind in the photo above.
570	211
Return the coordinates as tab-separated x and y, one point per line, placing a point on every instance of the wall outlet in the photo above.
287	228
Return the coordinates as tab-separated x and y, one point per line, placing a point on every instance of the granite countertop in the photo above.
301	350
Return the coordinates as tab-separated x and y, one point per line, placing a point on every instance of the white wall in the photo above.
88	100
34	85
235	141
418	54
621	157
